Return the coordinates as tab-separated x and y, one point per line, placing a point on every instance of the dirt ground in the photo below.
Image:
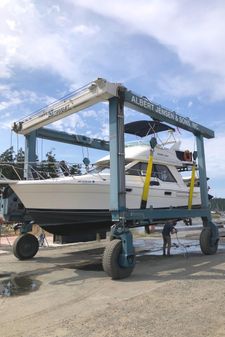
70	295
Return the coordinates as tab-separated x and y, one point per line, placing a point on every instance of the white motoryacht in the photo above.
68	204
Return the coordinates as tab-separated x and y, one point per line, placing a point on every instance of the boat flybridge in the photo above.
74	204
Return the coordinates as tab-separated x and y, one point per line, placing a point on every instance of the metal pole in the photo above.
117	161
30	153
202	171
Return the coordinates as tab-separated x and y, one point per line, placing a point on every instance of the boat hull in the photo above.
74	205
95	195
76	222
71	222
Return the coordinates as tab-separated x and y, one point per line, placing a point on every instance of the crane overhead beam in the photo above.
158	112
98	91
95	92
73	139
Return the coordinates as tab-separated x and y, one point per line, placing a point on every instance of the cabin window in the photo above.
159	171
138	169
163	173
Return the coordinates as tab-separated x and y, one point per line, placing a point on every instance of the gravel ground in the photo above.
182	295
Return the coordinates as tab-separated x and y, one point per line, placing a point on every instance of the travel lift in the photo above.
119	255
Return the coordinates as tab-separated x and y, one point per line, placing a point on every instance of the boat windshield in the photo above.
104	168
135	168
100	169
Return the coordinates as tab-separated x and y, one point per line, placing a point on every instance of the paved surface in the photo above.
63	291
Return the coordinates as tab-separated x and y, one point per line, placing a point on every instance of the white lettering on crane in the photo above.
144	103
58	111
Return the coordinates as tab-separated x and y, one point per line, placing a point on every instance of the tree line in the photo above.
12	165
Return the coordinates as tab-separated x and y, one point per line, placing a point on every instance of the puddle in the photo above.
154	247
17	285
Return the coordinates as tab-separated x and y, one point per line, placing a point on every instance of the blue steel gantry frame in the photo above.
118	201
116	113
58	136
119	97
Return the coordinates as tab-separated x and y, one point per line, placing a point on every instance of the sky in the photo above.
171	51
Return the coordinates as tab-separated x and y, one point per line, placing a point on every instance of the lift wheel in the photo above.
111	258
207	245
25	246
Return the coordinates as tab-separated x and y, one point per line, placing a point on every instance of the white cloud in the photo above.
86	30
90	122
29	39
11	24
12	97
70	40
12	104
89	113
194	30
214	153
207	86
71	124
195	34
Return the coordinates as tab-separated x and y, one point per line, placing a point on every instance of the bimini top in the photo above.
145	128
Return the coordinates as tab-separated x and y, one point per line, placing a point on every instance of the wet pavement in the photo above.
21	280
154	246
90	260
17	285
64	292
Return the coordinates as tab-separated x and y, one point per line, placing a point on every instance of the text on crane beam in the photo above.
58	111
172	115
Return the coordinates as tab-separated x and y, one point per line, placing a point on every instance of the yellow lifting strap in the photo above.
146	186
191	187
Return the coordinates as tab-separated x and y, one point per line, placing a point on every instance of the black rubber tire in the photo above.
110	261
205	242
25	246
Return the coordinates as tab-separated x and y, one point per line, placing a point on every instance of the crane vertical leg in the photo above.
26	245
209	237
30	153
119	256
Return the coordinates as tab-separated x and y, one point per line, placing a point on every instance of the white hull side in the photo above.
72	195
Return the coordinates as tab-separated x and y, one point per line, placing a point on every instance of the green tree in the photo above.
12	166
48	167
52	167
75	169
20	156
7	167
7	156
19	162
